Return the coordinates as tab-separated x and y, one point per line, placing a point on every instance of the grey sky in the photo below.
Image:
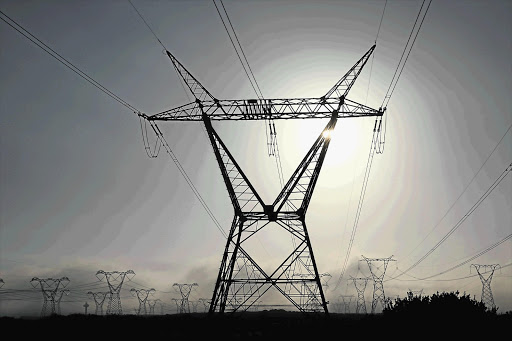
78	193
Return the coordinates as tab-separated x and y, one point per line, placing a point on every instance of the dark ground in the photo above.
267	325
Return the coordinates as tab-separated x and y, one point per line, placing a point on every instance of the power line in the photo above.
460	195
256	88
63	60
163	142
470	211
376	131
387	97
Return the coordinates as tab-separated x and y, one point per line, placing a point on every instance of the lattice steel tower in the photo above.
142	296
152	304
378	273
487	297
184	290
241	281
99	299
346	300
52	293
58	297
115	280
360	284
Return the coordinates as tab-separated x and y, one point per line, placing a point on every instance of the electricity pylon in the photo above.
86	305
346	299
178	304
486	297
115	280
99	299
416	292
325	277
360	284
142	295
51	289
241	281
184	290
151	304
378	273
206	303
58	297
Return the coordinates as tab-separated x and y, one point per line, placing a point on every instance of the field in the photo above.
274	324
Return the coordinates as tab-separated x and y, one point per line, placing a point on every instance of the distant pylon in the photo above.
58	298
360	284
99	299
416	292
142	295
487	297
184	290
151	304
86	305
51	289
178	304
115	281
324	279
378	277
346	299
206	303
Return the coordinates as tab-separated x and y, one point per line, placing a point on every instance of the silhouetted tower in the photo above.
115	280
206	303
58	298
86	305
184	290
325	277
416	292
99	299
51	289
360	285
142	296
241	281
378	272
178	304
346	300
487	297
152	304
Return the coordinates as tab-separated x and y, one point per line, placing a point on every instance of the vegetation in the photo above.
439	315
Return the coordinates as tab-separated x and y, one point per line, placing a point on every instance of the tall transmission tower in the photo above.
86	305
142	296
360	285
115	280
99	299
378	273
51	290
487	297
241	281
184	290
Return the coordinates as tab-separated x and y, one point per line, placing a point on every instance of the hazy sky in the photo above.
78	193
